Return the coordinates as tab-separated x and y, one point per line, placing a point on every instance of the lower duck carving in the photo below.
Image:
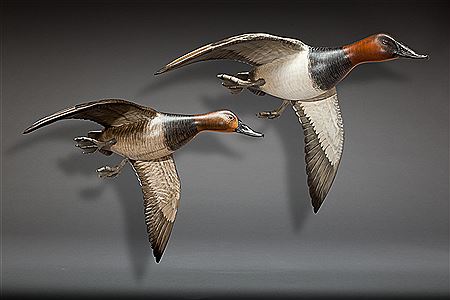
147	140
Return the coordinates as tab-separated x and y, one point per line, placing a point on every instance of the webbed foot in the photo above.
108	171
273	114
237	83
90	145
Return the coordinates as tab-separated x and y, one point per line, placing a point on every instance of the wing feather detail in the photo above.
161	189
252	48
107	112
324	141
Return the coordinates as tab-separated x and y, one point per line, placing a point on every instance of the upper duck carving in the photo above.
305	77
147	140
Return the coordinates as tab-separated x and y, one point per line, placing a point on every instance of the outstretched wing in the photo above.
161	188
252	48
324	142
108	112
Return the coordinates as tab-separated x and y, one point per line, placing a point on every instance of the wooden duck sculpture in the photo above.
146	139
305	77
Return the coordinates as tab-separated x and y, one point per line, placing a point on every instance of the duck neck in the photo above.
179	129
208	122
328	66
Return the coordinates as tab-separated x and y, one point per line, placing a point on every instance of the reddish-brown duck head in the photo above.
377	48
224	121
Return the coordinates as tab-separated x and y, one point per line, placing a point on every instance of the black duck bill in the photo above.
405	51
244	129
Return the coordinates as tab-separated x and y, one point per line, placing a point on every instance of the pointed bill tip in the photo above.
406	52
417	56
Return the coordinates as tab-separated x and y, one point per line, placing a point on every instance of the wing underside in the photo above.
161	189
324	142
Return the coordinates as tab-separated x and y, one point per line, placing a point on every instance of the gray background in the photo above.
245	225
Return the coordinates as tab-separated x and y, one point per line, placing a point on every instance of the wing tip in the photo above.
29	129
158	255
162	70
316	201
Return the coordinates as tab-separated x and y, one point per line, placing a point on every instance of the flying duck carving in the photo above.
147	140
305	77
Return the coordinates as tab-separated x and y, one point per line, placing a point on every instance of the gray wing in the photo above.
107	112
252	48
324	142
161	188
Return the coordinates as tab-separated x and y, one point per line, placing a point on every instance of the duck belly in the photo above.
288	78
139	141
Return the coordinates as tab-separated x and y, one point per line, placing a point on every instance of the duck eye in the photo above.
230	117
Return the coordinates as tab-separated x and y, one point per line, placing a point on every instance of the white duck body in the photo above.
288	77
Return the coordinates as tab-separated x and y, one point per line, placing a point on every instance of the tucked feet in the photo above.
90	145
108	171
237	83
273	114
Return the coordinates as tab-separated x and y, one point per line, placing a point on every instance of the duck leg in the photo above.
274	113
237	83
90	145
108	171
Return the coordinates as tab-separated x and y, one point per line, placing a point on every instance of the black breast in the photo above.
178	130
328	66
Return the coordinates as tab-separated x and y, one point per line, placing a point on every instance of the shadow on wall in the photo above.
374	72
291	134
130	199
205	71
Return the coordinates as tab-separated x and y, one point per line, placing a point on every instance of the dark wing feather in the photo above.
161	188
252	48
108	112
324	142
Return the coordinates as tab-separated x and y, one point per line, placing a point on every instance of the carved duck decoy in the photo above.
305	77
146	139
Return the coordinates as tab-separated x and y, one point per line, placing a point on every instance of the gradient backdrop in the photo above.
245	225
